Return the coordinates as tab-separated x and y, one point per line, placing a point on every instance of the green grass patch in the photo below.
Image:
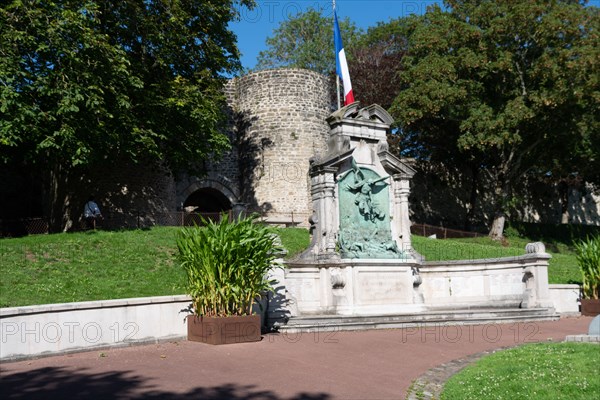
99	265
553	235
294	240
93	265
462	249
534	371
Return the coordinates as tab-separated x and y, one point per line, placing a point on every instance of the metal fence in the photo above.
36	226
139	220
441	232
23	227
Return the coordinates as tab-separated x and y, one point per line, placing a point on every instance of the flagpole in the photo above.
337	78
337	84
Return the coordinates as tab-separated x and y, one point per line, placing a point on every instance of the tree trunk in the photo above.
497	229
501	196
58	200
563	190
472	198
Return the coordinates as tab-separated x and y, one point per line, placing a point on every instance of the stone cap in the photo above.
371	114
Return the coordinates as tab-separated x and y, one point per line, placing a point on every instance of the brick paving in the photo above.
378	364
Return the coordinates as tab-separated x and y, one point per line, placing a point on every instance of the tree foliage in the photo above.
510	87
85	81
377	62
306	41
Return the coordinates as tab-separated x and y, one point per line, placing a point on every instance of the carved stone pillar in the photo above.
535	277
402	219
324	219
330	211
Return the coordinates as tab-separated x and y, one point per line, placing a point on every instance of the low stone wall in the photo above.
352	287
503	282
35	331
566	299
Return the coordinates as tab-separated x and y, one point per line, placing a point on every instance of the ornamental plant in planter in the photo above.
226	265
588	258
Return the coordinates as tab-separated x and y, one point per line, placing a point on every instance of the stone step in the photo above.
418	319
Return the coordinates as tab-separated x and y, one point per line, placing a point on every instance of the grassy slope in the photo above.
100	265
88	266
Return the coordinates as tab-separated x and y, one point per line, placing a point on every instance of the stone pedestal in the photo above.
351	287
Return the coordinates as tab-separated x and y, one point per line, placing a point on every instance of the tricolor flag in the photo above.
341	64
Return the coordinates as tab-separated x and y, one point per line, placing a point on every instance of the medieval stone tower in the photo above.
277	123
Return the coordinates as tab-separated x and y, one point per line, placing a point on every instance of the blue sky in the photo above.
258	24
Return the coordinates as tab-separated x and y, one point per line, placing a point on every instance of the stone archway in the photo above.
209	195
207	200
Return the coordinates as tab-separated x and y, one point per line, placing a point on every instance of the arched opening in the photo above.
207	200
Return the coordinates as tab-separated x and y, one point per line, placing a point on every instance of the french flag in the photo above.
341	64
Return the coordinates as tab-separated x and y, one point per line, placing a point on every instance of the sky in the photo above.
256	25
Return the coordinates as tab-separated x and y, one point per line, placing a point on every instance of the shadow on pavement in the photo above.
62	383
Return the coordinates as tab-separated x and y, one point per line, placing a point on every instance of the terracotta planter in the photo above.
590	307
224	330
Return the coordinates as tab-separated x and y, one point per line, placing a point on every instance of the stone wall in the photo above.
277	123
130	194
49	329
281	125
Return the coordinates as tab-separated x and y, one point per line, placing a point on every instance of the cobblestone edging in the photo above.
429	386
583	338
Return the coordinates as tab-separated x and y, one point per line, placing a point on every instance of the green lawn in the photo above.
101	265
93	265
552	371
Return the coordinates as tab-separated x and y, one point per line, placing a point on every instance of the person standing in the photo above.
91	213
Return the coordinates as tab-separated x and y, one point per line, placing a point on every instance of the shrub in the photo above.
588	258
227	264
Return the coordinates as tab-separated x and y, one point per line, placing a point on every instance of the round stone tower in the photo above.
280	123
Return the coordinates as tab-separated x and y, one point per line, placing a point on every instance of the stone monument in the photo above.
360	260
360	270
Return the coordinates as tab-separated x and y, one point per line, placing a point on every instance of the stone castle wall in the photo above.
131	194
277	122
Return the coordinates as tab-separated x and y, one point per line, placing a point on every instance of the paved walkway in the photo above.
311	366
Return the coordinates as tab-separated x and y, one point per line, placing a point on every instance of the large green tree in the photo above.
509	87
377	61
305	40
376	66
86	82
